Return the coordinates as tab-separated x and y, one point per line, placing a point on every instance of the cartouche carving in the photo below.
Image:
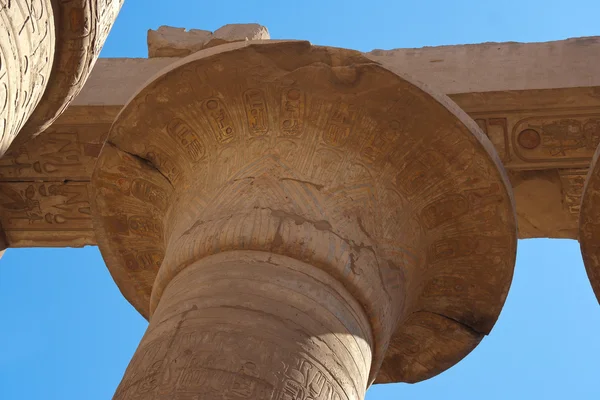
244	164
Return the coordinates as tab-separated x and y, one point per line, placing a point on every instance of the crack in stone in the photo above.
362	227
462	324
321	225
326	226
317	186
143	161
244	179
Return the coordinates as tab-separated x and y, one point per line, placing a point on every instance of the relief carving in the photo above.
84	26
340	123
220	121
27	43
187	139
256	112
62	152
292	112
29	206
569	139
496	129
359	190
572	181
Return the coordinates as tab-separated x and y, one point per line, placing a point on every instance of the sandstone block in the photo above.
178	42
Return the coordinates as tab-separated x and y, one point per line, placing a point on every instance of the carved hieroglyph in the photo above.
589	224
44	184
27	43
547	195
48	49
343	221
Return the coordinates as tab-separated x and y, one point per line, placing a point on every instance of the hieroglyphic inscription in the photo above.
571	138
305	381
292	112
163	162
378	145
256	112
61	152
496	129
149	192
225	366
44	206
189	140
83	28
220	120
48	214
417	174
26	53
148	260
339	125
465	246
451	207
572	181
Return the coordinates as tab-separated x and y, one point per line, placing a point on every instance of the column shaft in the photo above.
252	325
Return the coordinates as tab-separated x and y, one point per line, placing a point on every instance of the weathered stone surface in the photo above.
545	136
572	63
168	41
179	42
500	66
224	350
547	196
546	174
49	49
259	152
82	28
589	224
27	43
235	32
44	199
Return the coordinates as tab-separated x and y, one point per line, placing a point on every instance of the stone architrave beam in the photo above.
300	221
544	124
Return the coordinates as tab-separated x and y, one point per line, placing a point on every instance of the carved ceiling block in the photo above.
44	184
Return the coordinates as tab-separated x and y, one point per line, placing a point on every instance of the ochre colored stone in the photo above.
250	166
589	224
59	42
253	324
27	45
167	41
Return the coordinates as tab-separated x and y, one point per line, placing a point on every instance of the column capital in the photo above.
324	156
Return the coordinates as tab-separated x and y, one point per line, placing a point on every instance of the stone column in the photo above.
246	324
298	222
47	51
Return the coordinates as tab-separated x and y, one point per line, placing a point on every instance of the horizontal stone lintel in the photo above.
539	103
486	67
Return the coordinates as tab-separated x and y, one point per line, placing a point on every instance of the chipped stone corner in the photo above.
169	41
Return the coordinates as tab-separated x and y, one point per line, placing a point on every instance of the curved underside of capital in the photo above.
589	224
321	155
82	27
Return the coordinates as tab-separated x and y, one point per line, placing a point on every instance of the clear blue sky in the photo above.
66	333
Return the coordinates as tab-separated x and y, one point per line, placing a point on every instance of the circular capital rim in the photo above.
436	332
589	224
